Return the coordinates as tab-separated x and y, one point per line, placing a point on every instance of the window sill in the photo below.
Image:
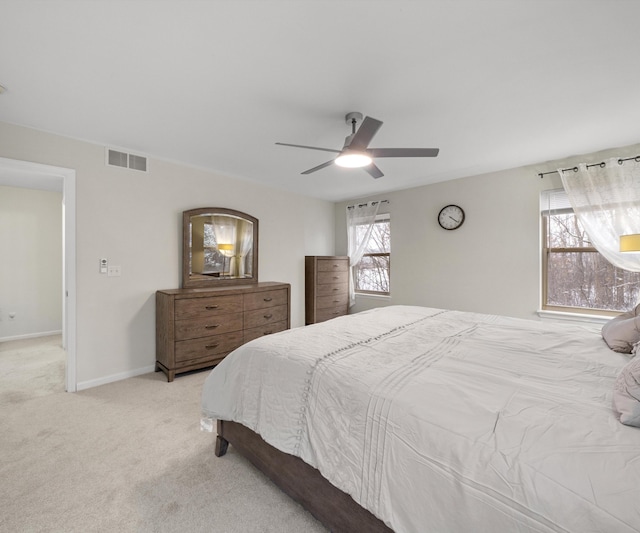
374	296
564	316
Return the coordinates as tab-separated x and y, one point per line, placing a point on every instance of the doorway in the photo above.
15	173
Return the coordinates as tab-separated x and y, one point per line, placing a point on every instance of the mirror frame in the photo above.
187	281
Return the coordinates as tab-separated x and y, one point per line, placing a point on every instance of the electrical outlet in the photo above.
12	315
113	271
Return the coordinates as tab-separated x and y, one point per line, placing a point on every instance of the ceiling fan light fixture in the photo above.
353	160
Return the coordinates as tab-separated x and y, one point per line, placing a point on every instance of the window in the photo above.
371	274
575	277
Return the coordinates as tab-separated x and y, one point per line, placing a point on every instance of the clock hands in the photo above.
451	217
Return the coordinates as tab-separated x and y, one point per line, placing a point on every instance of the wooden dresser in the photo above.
326	287
197	328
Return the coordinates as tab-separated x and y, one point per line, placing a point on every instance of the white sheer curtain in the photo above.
224	229
360	220
244	246
606	200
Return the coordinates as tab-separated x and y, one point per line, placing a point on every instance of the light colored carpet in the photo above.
127	457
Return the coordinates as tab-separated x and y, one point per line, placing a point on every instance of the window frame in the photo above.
380	217
546	251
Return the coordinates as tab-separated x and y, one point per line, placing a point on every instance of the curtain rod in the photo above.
602	164
372	203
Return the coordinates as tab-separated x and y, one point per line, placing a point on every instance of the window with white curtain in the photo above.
372	273
575	276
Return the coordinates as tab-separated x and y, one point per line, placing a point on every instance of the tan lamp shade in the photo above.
630	243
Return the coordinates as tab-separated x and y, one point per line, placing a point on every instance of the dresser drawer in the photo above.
330	312
336	300
261	317
205	307
205	327
208	346
333	277
261	300
254	333
330	289
332	265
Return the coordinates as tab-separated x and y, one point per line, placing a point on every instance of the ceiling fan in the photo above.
356	152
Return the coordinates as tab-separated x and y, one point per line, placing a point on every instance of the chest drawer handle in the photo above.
335	288
209	307
268	332
268	316
267	299
212	326
212	346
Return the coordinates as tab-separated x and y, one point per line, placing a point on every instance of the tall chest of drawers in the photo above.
197	328
326	287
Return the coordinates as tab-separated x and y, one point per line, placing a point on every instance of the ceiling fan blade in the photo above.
374	171
403	152
365	133
310	147
319	167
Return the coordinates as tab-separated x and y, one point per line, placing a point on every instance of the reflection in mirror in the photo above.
219	245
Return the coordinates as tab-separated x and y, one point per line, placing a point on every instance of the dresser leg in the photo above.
169	373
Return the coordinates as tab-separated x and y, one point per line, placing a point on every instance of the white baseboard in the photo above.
31	335
114	377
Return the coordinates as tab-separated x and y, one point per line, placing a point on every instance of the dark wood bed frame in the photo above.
335	509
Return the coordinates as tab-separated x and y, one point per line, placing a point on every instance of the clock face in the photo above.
451	217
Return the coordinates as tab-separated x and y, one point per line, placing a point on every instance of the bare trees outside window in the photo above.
371	275
576	276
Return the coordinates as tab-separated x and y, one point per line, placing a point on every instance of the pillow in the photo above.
626	394
623	331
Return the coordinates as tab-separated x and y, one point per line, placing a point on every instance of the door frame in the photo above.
40	176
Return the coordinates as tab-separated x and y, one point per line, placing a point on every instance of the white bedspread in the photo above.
443	421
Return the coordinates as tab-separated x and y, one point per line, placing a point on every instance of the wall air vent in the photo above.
116	158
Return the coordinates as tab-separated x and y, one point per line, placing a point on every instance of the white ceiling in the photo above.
494	84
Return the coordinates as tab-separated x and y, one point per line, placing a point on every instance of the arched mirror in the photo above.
218	246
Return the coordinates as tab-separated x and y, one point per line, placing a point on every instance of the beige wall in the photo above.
31	264
134	220
490	264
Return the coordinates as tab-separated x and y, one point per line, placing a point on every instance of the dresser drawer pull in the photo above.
268	332
336	301
336	266
267	299
268	316
209	307
336	312
336	288
212	326
212	346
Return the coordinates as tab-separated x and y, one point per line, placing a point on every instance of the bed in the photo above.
415	419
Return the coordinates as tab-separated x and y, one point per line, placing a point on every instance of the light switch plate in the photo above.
103	265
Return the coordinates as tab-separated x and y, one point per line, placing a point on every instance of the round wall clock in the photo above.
451	217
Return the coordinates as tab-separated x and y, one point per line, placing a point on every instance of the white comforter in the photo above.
443	421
